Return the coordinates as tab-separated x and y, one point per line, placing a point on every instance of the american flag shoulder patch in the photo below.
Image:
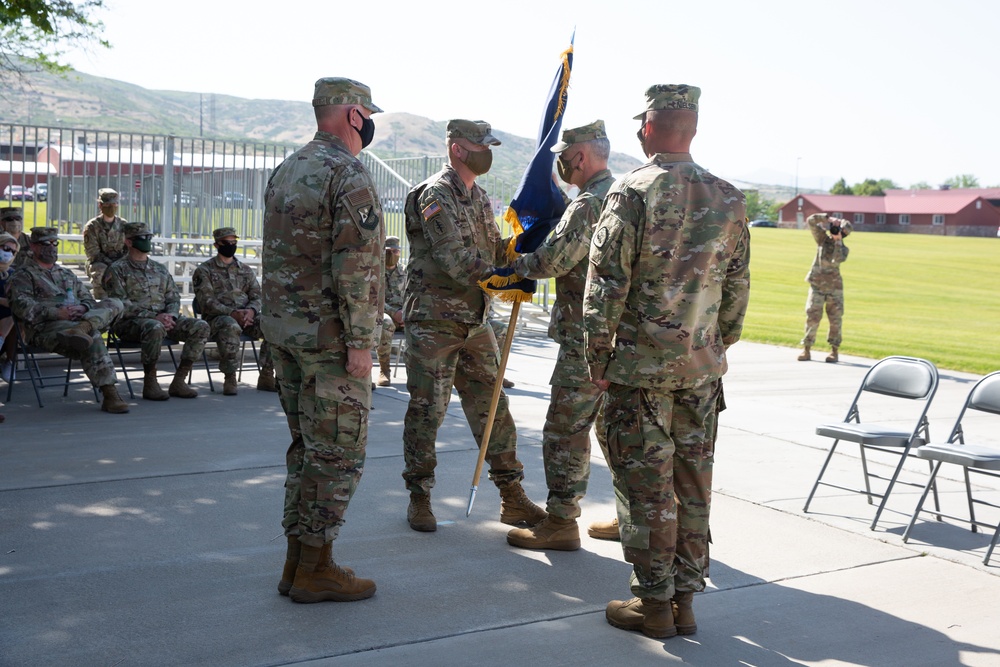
431	210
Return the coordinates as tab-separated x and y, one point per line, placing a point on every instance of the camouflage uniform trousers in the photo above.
226	333
384	347
439	355
95	360
151	332
566	446
833	300
660	448
329	434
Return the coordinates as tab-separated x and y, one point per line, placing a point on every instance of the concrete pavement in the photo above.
154	538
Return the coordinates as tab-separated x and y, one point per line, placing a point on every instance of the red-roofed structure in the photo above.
960	212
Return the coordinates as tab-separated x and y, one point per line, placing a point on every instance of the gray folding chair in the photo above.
35	371
897	377
974	458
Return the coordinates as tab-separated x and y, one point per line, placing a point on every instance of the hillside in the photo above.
83	101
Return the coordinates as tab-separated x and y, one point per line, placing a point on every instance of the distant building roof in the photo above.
916	202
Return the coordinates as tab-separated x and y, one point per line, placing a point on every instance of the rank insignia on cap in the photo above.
431	210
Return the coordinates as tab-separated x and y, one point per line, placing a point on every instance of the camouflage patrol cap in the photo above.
11	213
107	196
338	90
578	135
670	96
392	242
476	131
39	234
223	232
133	229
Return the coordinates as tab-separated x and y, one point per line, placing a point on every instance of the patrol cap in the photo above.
476	131
133	229
107	196
223	232
338	90
671	96
392	242
578	135
39	234
11	213
7	238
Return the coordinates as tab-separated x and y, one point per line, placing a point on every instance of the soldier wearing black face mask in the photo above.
228	294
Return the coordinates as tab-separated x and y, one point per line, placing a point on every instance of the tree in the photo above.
922	185
872	188
758	207
840	188
962	181
35	33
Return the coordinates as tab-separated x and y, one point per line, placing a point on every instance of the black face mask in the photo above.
226	249
367	131
48	254
141	244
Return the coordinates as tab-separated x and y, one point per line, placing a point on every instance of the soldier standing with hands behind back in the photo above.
826	287
667	291
104	239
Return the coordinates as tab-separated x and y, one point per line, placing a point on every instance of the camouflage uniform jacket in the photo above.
824	275
454	243
323	256
563	256
395	283
104	242
37	294
222	288
669	277
23	252
145	288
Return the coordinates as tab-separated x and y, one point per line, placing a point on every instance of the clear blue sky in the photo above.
856	89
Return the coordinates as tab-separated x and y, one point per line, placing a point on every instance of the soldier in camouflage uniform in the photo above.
454	244
103	238
228	296
392	319
826	287
323	265
59	314
152	312
575	400
12	222
666	295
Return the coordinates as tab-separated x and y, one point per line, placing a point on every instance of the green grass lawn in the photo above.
910	294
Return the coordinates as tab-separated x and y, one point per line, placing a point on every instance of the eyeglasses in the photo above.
144	237
48	243
9	249
228	243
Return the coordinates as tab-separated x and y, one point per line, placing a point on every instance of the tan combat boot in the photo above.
383	371
551	532
113	402
78	338
419	514
683	614
507	384
265	381
805	356
319	579
605	530
653	618
292	555
516	508
151	390
229	385
833	357
179	387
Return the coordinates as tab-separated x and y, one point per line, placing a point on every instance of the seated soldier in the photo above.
58	314
103	238
228	296
8	343
152	310
392	318
12	222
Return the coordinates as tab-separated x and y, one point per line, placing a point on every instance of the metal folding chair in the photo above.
906	378
29	356
974	458
244	339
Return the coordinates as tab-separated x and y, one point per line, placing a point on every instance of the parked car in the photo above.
41	191
230	199
17	193
763	223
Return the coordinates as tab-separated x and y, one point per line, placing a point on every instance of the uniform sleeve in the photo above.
116	285
171	298
83	294
91	244
253	291
201	282
736	292
442	230
814	221
564	249
21	293
612	253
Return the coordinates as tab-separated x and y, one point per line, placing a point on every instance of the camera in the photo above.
834	229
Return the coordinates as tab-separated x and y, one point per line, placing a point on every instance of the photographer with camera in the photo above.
826	288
